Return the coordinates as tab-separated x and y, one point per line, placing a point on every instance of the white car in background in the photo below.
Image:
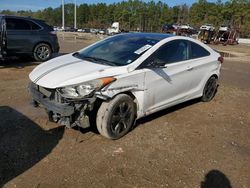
123	78
114	29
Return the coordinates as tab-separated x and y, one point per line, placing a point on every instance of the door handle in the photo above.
190	68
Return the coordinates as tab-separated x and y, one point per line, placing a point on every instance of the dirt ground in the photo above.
191	145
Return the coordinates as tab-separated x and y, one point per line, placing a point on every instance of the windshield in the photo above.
119	50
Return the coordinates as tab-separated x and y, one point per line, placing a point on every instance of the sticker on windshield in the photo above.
143	49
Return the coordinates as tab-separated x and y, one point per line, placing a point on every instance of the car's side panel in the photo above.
202	70
164	86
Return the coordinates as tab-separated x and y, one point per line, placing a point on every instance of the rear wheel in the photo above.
210	89
116	117
42	52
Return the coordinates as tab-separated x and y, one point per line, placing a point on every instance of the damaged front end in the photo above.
67	112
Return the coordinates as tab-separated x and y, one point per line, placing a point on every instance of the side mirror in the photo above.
153	63
156	63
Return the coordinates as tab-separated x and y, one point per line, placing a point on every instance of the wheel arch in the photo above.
136	99
42	42
130	93
214	75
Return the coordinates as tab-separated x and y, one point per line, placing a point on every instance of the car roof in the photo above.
23	17
156	36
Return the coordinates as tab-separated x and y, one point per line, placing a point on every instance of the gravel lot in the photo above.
189	145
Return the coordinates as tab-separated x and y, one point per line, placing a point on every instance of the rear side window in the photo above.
44	25
197	51
17	24
33	25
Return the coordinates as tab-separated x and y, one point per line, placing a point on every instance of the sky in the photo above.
41	4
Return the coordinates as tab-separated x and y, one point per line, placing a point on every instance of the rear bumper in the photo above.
50	105
55	47
54	43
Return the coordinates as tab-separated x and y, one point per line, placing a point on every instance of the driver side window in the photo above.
171	52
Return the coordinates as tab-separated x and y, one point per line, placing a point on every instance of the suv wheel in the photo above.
116	117
42	52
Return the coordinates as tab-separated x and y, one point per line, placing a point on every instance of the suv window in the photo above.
17	24
33	25
173	51
197	51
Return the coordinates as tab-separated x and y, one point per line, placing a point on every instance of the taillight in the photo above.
221	59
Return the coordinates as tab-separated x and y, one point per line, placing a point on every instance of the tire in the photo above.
116	117
210	89
42	52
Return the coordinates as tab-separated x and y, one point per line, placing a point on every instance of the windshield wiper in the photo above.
94	59
98	60
105	61
76	54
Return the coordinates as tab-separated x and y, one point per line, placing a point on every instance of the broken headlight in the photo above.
84	89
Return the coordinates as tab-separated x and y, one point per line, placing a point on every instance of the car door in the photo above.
19	36
166	86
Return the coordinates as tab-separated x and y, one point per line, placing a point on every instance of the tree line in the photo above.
137	15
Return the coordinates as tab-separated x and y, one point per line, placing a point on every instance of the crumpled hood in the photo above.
68	70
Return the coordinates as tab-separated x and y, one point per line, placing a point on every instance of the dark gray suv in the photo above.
27	36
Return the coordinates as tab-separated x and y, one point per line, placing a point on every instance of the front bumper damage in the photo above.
60	110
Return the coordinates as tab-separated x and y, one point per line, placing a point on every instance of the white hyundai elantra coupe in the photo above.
123	78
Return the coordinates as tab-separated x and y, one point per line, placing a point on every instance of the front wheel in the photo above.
42	52
116	117
210	89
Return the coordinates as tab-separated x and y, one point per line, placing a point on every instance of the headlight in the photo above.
84	89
